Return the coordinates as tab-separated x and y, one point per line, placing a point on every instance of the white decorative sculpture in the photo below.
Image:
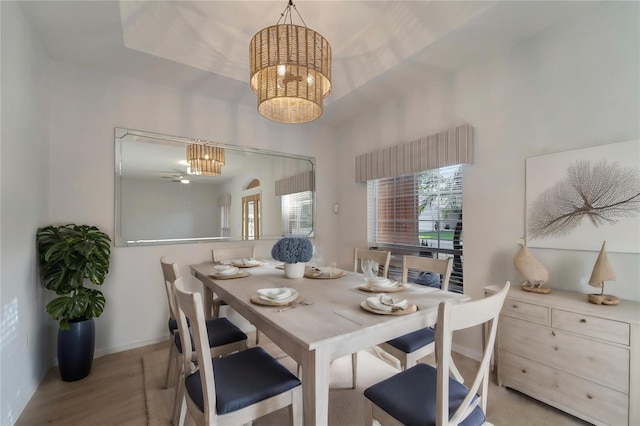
602	272
534	272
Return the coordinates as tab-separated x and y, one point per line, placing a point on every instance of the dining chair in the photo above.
382	257
411	347
237	388
424	394
219	255
223	336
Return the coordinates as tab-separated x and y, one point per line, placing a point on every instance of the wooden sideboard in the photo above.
576	356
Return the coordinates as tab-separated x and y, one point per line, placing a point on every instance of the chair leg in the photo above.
354	369
171	365
368	412
180	403
257	337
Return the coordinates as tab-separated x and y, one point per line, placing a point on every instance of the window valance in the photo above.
296	183
224	200
447	148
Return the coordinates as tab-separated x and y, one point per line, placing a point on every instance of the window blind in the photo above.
297	213
419	213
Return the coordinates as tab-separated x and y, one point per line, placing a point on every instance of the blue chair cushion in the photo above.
429	279
413	341
242	379
173	325
220	331
410	397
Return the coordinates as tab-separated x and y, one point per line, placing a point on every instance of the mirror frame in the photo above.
120	241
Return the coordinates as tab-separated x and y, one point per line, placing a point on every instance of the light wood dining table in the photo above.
331	326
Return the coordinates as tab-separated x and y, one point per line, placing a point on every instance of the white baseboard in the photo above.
467	352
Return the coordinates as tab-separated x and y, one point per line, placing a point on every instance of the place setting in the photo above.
382	285
245	262
323	272
227	272
276	296
383	304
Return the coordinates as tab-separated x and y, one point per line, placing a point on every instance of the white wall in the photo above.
85	107
189	210
573	86
24	200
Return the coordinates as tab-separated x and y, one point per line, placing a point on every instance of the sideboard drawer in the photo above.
600	328
601	404
593	360
526	311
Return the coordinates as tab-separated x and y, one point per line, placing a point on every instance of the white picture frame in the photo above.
578	199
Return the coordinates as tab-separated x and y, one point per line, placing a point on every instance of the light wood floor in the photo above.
112	394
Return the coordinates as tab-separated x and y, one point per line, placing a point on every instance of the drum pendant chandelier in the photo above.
205	160
290	70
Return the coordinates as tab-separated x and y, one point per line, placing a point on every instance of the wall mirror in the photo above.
171	189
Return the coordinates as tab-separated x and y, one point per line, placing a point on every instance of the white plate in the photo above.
276	294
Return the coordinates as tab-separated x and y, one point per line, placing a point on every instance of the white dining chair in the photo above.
223	338
382	258
235	389
427	395
220	255
411	347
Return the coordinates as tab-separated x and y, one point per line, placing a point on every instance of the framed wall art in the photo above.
578	199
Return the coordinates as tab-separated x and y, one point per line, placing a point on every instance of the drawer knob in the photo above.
555	348
515	306
553	333
583	320
524	370
589	396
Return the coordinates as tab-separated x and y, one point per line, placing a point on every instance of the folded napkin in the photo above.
383	302
249	261
226	270
275	293
381	282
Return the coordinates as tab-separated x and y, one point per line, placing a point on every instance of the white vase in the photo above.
294	270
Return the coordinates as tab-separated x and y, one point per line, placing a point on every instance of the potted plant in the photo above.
69	255
294	252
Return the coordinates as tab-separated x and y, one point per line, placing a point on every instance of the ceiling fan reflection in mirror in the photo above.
177	178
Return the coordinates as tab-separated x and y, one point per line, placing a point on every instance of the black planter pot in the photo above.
75	350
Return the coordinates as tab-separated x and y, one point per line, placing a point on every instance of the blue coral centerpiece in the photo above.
294	252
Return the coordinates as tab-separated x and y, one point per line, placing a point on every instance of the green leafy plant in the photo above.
68	256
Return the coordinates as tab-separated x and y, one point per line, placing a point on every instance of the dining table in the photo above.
327	321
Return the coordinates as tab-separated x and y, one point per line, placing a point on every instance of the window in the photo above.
419	213
225	229
297	213
251	217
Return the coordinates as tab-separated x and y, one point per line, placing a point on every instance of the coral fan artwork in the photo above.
576	199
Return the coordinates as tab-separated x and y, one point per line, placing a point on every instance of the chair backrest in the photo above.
452	317
428	264
222	254
171	272
383	258
190	306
